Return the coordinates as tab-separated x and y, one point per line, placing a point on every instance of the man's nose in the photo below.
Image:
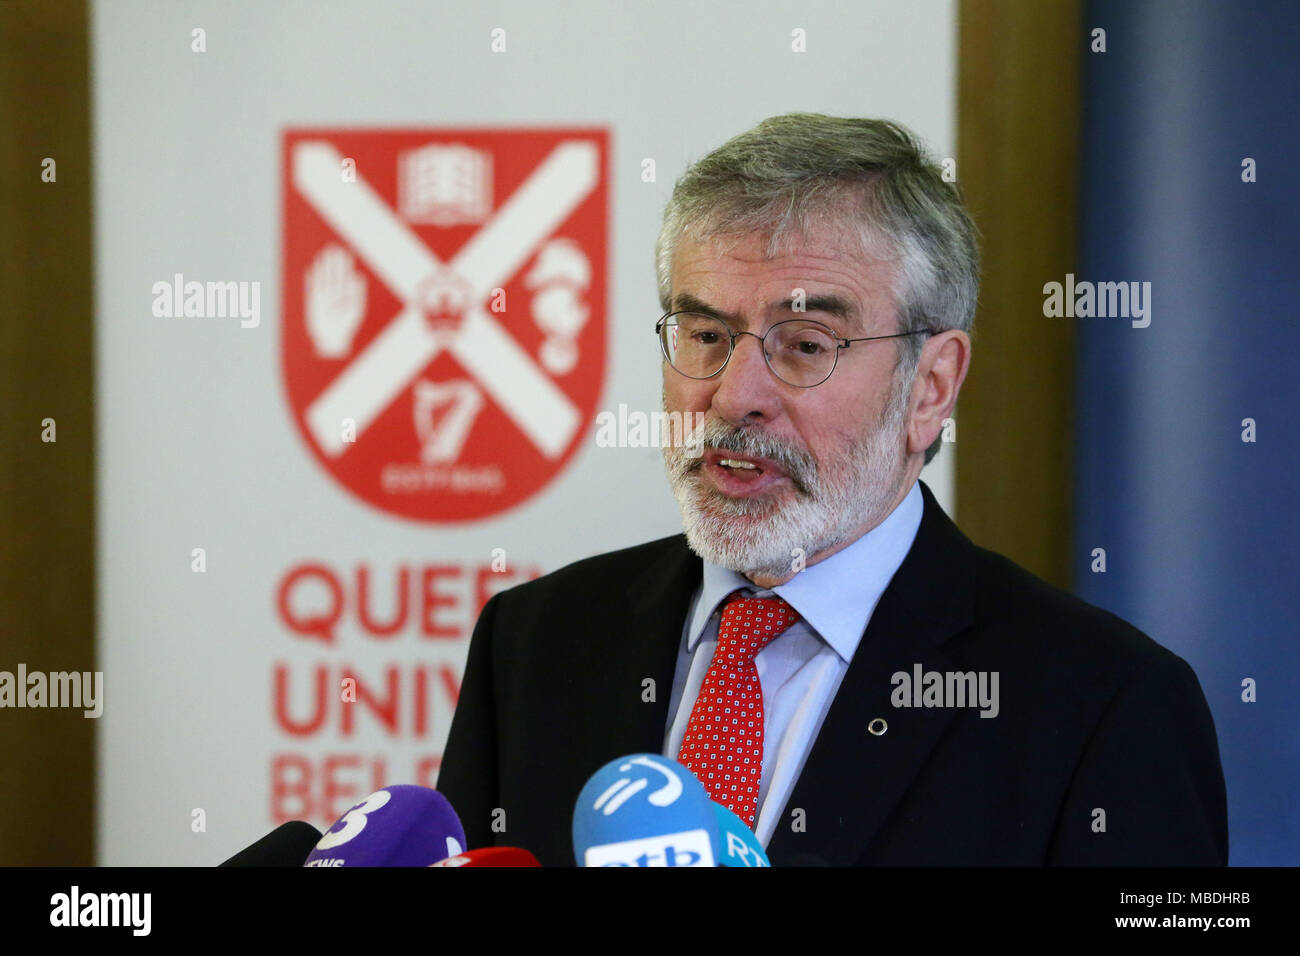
747	391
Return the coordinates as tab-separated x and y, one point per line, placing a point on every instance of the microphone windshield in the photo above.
491	856
644	810
286	845
737	845
401	825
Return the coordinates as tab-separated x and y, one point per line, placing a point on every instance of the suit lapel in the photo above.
854	778
657	602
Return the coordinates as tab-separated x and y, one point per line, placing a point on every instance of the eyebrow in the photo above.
828	304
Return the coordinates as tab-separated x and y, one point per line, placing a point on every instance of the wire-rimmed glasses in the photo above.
799	352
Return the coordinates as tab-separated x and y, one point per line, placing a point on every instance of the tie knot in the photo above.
749	624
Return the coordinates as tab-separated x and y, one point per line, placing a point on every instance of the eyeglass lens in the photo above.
800	352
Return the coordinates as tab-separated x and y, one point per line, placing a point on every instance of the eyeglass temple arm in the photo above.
844	343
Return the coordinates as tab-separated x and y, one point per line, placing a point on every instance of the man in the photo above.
823	647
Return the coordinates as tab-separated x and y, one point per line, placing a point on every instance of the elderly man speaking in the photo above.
823	648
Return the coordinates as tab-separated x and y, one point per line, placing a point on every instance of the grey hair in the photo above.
872	179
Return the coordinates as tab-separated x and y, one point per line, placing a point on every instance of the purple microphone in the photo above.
402	825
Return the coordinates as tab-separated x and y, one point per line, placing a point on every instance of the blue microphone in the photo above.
644	810
737	845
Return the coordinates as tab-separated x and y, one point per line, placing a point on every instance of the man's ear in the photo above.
940	371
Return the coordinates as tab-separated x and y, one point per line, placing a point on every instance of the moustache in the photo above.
798	465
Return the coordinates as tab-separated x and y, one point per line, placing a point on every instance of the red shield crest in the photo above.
443	327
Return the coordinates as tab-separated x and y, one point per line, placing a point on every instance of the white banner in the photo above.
365	279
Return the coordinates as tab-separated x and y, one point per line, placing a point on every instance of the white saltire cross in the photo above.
407	344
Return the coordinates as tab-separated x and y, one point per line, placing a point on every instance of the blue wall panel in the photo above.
1200	528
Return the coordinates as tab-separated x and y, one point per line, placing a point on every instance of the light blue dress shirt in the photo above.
801	670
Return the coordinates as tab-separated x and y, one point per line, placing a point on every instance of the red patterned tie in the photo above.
723	743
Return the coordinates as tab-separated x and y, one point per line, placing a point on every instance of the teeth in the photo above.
732	463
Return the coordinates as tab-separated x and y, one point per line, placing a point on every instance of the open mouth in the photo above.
740	469
741	475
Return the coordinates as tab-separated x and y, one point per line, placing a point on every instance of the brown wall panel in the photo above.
1018	135
47	532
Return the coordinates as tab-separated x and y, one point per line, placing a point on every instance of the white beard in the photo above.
757	536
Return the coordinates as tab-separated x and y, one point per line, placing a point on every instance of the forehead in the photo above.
737	275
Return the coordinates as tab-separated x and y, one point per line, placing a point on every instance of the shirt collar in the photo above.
835	596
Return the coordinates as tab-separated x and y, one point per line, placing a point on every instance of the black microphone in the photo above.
286	845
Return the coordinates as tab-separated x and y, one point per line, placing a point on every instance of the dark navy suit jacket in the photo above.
1097	723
